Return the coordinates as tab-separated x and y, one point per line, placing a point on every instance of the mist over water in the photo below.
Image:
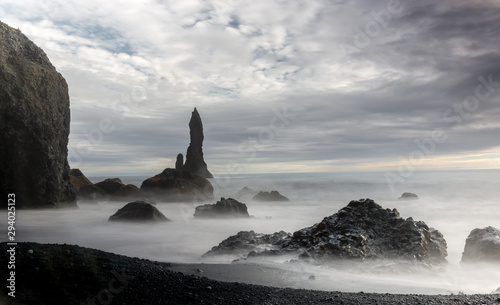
454	202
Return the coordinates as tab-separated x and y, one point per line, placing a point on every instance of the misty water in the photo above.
454	202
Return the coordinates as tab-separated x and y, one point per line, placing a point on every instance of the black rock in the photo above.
138	211
408	196
34	126
270	196
181	186
482	245
179	163
362	230
195	163
110	185
223	208
246	242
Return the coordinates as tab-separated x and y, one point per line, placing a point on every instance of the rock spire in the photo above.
194	156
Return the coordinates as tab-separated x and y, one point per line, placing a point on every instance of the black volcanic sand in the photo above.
64	274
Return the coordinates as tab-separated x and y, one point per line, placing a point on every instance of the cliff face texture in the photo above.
34	125
194	156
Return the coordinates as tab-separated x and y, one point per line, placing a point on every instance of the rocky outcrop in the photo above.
270	196
195	164
34	126
86	191
138	211
222	209
482	245
362	230
246	242
181	186
408	196
110	185
179	163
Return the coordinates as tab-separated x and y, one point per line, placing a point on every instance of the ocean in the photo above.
453	202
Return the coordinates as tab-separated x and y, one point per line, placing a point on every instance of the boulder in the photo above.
408	196
482	245
34	126
270	196
138	211
181	186
362	230
223	208
110	185
246	242
195	164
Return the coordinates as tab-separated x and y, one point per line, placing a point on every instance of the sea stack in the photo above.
194	156
34	126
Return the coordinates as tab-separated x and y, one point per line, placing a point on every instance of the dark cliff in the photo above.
34	125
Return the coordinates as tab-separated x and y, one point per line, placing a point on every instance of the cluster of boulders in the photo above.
361	230
169	186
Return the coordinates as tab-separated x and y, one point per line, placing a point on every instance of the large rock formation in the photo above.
34	125
178	186
194	156
482	245
361	230
222	209
138	211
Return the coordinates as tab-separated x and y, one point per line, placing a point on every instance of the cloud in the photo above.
145	65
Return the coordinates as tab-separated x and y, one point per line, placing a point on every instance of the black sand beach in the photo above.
67	274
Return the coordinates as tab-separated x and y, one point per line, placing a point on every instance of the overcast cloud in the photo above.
281	86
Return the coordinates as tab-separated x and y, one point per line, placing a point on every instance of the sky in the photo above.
281	86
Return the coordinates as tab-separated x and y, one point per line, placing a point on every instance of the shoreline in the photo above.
68	274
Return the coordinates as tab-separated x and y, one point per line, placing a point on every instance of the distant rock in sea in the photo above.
222	209
408	196
178	186
138	211
482	245
245	192
195	164
270	196
34	126
362	230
